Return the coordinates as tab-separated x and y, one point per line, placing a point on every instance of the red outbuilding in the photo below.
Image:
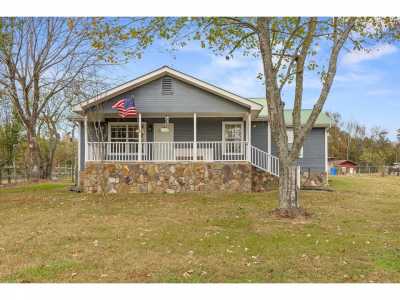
343	166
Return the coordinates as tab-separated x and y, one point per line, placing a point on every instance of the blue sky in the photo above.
366	88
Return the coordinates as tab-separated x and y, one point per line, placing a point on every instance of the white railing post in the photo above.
79	146
86	139
194	136
248	136
140	138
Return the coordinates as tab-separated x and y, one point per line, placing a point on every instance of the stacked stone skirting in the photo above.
175	177
314	179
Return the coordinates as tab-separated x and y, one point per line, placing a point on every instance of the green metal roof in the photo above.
322	120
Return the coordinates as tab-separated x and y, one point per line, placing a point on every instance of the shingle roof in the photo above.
322	120
341	161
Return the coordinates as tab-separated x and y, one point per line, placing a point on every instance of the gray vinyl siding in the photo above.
208	129
313	151
185	99
259	135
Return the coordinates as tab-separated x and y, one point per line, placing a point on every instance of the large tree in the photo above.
39	59
378	150
289	48
10	136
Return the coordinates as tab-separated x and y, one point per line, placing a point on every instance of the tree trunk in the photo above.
34	158
289	204
50	162
9	175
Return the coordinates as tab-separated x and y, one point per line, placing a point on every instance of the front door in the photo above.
163	148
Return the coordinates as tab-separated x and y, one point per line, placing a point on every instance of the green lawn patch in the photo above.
51	235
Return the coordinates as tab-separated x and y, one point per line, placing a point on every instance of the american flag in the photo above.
126	107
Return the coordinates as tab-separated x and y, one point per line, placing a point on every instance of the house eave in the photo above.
318	125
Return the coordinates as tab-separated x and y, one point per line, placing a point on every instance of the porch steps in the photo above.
264	161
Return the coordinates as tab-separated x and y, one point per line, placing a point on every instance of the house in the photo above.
342	166
187	135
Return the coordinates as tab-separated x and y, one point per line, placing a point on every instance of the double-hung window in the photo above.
232	136
290	136
124	137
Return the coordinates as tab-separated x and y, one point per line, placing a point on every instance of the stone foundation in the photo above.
314	179
172	177
262	181
175	177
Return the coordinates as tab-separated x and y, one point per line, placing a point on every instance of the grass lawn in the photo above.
51	235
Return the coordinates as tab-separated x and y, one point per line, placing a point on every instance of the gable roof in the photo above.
161	72
323	119
340	162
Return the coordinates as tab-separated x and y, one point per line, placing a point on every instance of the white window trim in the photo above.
144	124
223	136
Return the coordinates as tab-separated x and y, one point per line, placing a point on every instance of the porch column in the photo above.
194	136
86	139
79	146
248	135
140	138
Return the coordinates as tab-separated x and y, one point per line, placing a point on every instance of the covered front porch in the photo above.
173	138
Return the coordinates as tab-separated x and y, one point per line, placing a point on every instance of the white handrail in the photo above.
167	151
183	151
264	161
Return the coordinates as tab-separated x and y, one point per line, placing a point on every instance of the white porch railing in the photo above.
167	151
182	151
264	161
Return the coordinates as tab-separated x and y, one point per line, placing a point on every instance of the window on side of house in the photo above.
290	136
232	135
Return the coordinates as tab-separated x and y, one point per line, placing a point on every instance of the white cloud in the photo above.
237	75
358	76
356	56
383	92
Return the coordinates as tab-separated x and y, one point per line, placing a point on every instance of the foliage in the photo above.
10	134
45	64
349	140
378	149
